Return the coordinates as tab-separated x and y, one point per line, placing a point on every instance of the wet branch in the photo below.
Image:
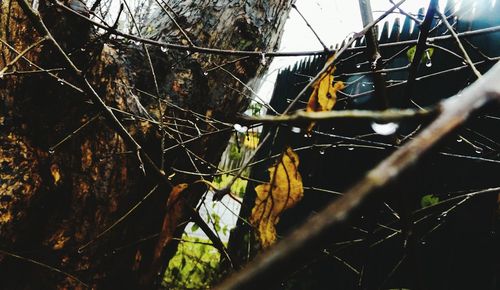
300	117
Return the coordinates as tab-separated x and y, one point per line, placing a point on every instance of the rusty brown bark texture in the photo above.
53	202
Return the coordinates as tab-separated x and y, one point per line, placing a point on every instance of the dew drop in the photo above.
263	60
205	73
358	65
137	43
82	49
1	76
479	150
423	243
51	151
164	49
322	152
188	52
295	130
350	148
307	135
459	140
239	128
384	128
428	62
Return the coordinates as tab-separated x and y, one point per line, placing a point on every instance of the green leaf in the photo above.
410	53
428	200
194	227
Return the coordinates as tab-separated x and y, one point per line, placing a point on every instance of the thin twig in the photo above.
332	60
72	134
39	25
310	27
420	48
175	22
118	221
304	117
20	55
459	43
51	268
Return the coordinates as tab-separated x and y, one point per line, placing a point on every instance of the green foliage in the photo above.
427	54
238	188
428	200
255	109
195	266
235	152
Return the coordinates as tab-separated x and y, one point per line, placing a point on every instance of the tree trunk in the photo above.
56	199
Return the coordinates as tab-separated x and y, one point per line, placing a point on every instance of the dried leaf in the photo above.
282	192
56	174
324	95
174	209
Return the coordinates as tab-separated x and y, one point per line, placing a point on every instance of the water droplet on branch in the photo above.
263	60
239	128
385	128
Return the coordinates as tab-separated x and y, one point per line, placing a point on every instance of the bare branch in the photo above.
421	47
459	43
305	117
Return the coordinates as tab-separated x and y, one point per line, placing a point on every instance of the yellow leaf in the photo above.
324	95
282	192
56	174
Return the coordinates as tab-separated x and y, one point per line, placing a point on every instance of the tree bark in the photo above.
52	202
